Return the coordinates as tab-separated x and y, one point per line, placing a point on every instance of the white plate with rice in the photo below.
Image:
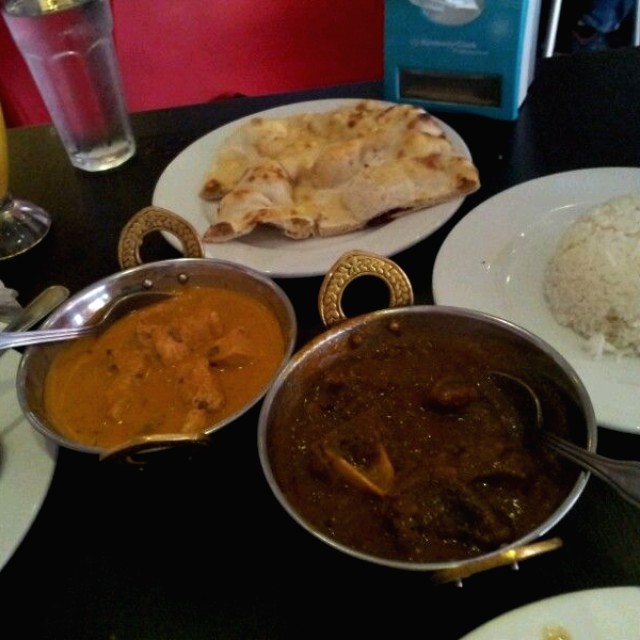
495	261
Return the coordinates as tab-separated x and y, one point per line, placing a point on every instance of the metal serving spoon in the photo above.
622	475
118	309
40	307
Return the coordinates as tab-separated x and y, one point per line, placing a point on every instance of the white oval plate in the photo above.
593	614
494	261
27	462
267	250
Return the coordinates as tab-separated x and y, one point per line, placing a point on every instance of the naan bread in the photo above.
330	173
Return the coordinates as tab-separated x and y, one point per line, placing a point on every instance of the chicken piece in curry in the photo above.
179	366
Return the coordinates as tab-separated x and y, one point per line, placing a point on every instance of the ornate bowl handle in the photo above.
152	219
356	264
150	448
511	557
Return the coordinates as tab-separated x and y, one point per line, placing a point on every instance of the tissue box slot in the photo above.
485	90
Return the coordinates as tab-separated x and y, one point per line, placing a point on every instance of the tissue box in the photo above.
473	56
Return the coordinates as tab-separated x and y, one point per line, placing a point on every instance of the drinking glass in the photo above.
68	46
22	223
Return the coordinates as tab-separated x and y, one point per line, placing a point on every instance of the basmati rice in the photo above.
592	283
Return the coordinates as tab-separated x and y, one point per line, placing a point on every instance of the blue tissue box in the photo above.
474	56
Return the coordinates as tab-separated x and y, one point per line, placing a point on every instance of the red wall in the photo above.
21	102
191	51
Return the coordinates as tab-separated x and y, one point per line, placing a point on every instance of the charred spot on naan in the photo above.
387	216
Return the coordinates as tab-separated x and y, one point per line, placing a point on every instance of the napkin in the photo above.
9	305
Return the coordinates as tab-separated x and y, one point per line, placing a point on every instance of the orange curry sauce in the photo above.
179	366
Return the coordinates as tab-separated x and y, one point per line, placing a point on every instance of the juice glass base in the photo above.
22	226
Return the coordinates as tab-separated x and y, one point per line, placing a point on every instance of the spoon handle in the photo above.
9	339
622	475
42	305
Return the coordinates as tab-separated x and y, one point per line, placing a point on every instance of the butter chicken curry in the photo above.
179	366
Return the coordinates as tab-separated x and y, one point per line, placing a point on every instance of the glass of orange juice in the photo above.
22	223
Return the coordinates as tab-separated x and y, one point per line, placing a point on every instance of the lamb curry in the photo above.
178	366
402	445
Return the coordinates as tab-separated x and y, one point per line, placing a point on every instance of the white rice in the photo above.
592	282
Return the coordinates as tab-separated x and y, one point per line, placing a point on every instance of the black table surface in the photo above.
200	548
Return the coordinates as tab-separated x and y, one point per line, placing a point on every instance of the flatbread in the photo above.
330	173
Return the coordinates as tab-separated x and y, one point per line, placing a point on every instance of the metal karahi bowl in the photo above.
527	356
169	276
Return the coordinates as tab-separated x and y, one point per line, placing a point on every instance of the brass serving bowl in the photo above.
170	276
529	355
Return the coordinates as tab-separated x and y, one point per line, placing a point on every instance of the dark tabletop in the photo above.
199	548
